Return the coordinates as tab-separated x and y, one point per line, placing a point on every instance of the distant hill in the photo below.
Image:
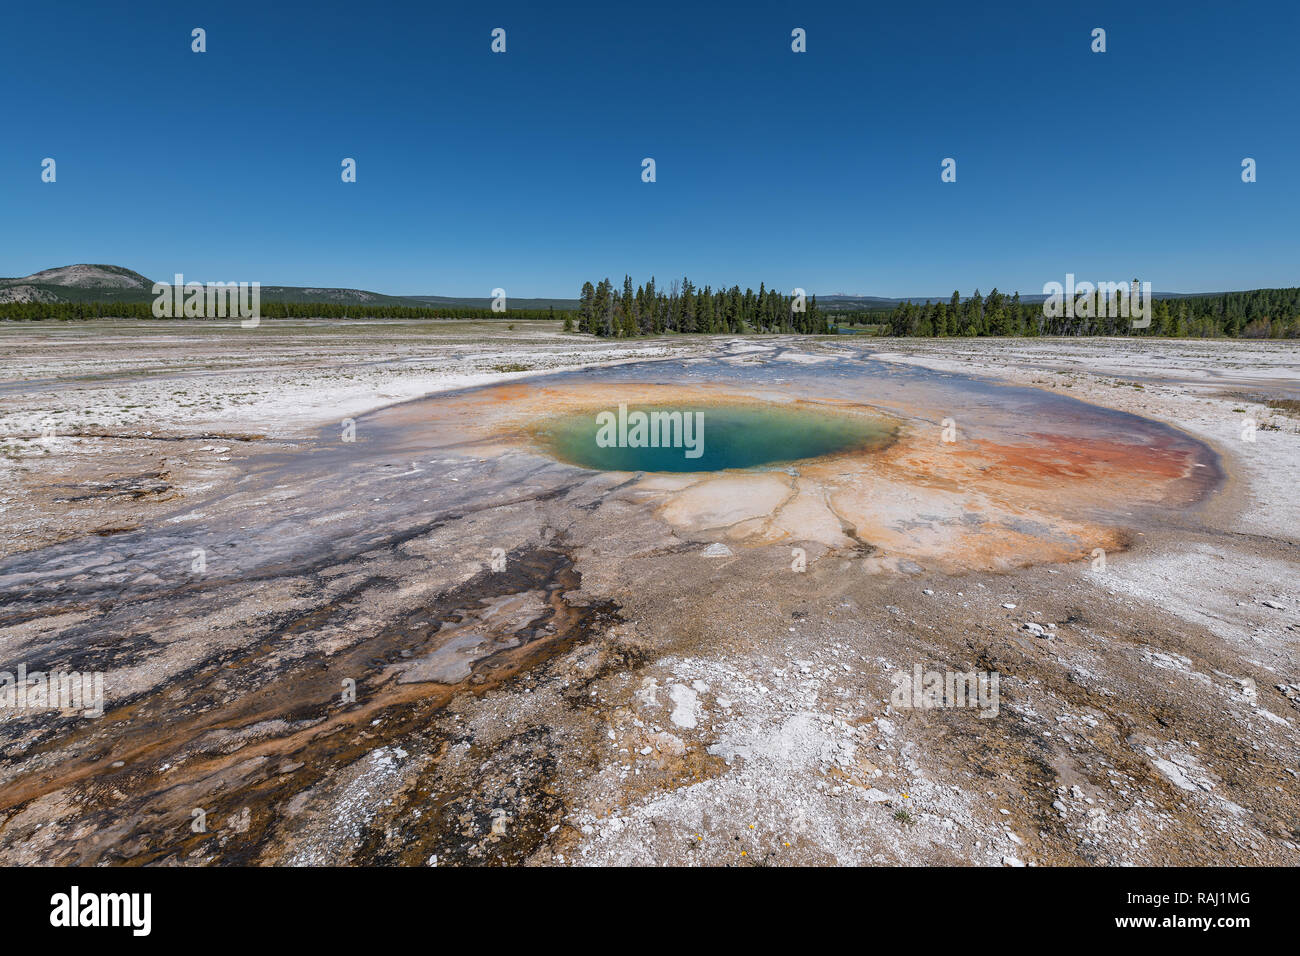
85	282
79	283
840	302
101	283
293	293
514	303
88	277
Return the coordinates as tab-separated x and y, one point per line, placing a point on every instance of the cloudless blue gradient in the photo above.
523	170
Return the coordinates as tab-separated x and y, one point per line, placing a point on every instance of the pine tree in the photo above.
628	309
587	308
688	320
604	308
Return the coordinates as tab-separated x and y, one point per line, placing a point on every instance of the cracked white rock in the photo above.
684	701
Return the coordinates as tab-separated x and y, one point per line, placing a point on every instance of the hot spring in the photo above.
691	438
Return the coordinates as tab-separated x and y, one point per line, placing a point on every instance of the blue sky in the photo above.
523	170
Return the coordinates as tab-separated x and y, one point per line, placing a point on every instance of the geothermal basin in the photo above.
459	627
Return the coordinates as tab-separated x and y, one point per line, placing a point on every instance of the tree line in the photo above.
683	308
649	310
1259	313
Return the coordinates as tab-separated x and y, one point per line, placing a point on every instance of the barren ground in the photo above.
611	693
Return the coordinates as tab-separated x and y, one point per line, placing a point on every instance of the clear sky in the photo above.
523	170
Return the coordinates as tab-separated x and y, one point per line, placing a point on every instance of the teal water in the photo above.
708	438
